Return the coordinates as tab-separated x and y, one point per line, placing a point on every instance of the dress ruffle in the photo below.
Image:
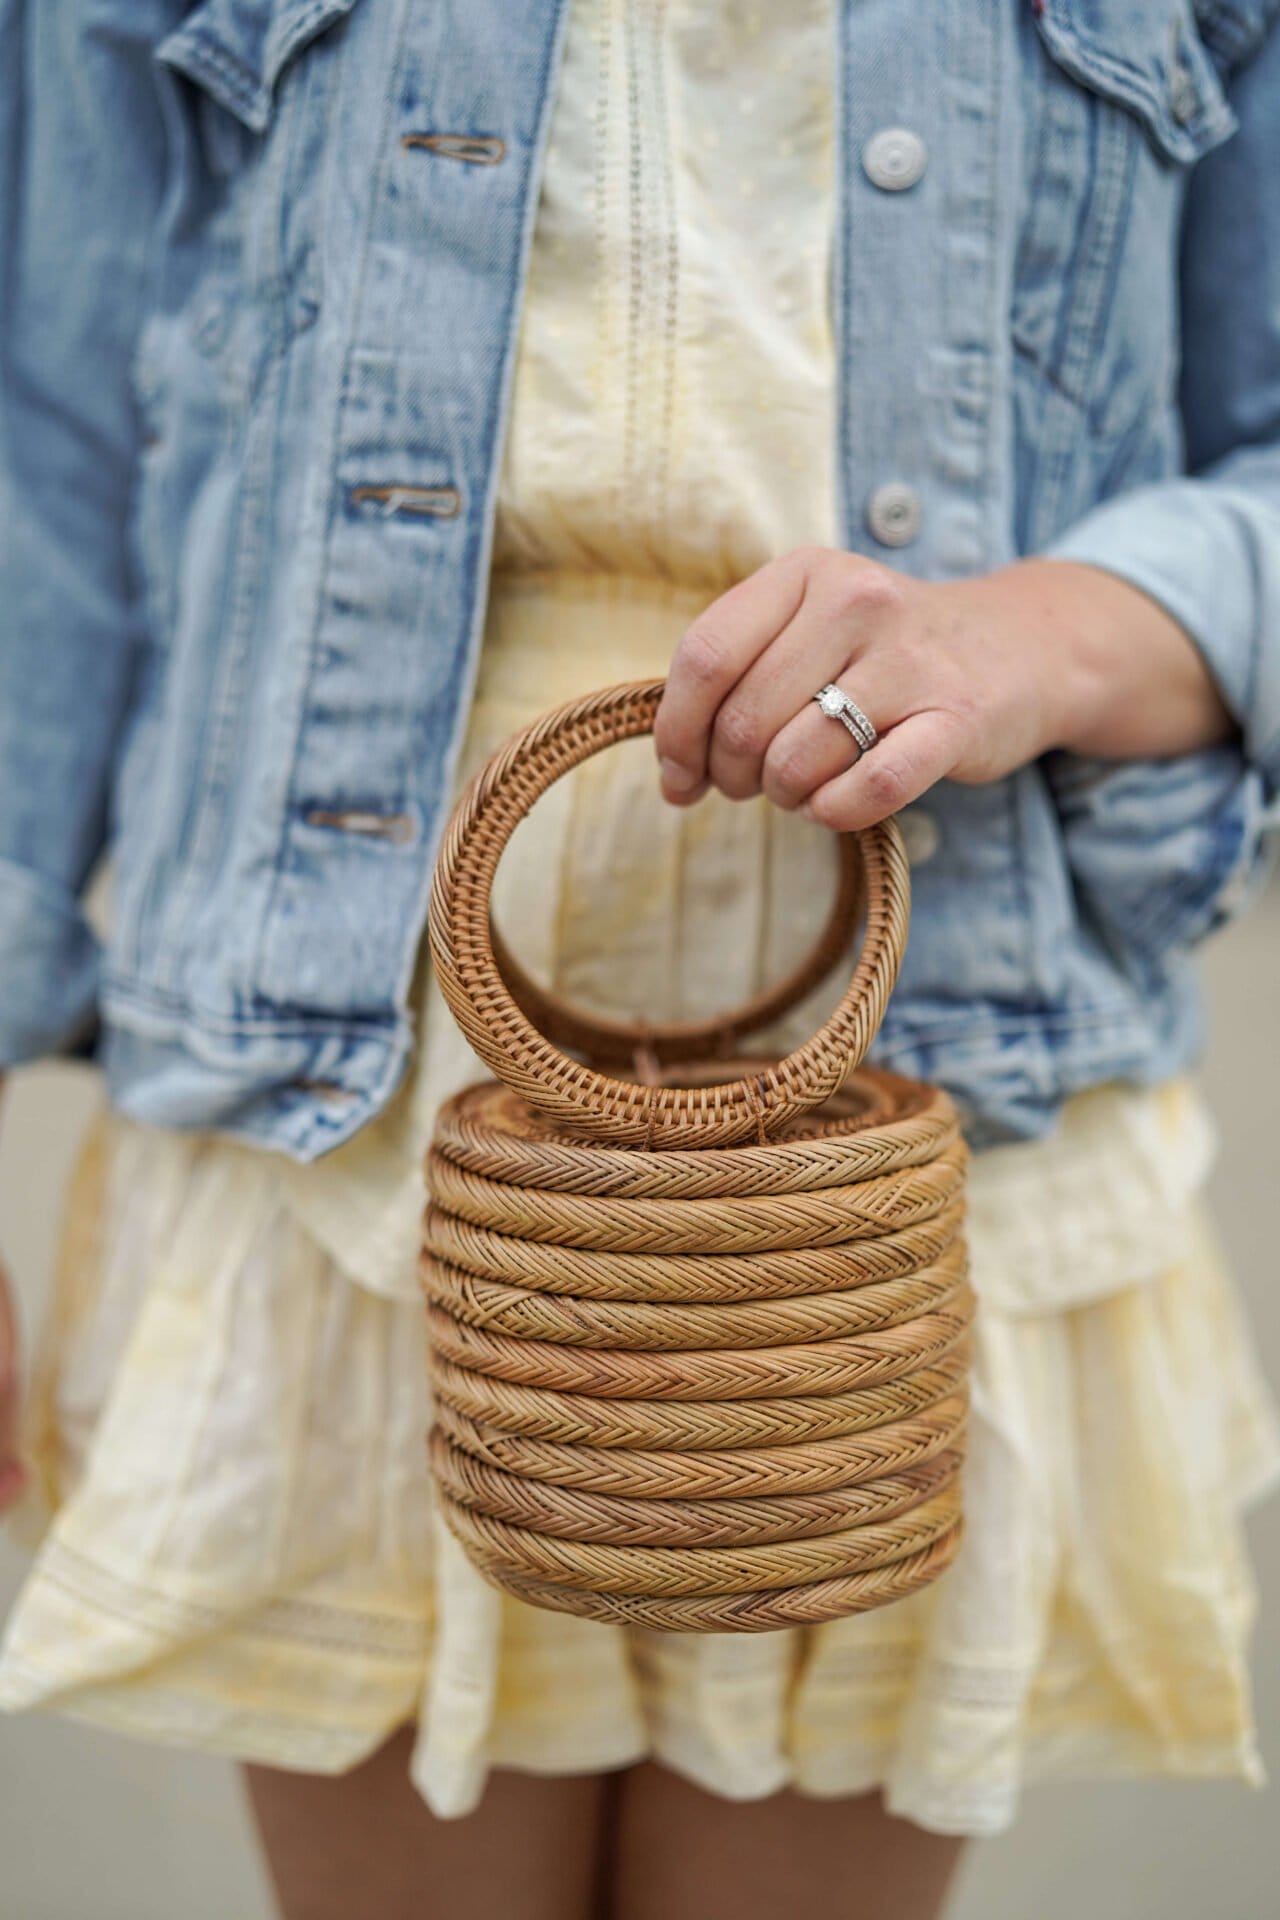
243	1555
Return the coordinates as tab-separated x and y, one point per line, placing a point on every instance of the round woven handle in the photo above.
619	1043
482	1002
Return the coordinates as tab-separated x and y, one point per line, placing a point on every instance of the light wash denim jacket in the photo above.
260	266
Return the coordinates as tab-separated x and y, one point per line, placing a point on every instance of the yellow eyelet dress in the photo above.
230	1421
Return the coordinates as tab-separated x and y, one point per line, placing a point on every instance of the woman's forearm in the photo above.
1132	685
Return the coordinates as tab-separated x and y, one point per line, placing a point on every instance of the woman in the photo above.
379	376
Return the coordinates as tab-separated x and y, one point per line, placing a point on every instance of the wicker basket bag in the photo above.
699	1353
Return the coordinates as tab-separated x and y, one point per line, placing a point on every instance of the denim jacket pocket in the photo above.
253	139
237	50
1122	99
1150	57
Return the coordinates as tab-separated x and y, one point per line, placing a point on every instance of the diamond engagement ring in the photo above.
837	705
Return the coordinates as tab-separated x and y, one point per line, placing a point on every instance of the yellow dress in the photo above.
228	1430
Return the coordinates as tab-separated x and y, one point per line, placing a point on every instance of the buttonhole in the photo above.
436	503
476	149
378	826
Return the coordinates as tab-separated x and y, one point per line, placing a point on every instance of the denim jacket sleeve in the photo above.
1207	547
81	159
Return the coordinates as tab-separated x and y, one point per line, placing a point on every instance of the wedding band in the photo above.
837	705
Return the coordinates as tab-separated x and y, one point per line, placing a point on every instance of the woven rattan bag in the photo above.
699	1353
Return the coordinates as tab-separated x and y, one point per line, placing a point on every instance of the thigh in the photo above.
682	1854
364	1842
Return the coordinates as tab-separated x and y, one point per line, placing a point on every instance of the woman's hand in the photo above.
963	680
12	1472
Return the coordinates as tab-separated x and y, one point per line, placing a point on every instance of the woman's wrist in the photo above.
1120	678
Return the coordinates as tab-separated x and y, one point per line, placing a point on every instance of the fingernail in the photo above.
678	778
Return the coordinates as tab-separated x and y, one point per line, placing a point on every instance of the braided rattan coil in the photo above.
680	1523
819	1367
689	1572
727	1474
807	1604
637	1326
692	1425
877	1123
744	1223
680	1279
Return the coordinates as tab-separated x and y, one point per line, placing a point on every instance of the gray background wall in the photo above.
98	1828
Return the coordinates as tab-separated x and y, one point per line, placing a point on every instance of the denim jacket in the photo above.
261	265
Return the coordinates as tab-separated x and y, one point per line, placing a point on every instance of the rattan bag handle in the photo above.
620	1043
574	1094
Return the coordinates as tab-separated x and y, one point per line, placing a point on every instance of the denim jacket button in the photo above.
894	159
893	514
920	834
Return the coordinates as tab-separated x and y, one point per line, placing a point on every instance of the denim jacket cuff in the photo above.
1162	853
1208	553
1165	852
48	968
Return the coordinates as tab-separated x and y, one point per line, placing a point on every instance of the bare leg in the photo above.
364	1844
682	1854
